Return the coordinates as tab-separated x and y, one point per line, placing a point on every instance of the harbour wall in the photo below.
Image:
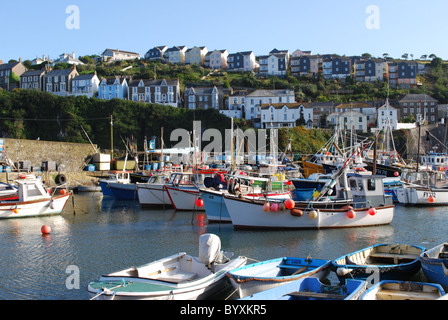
52	158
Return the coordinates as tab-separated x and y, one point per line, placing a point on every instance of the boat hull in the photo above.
216	209
266	275
403	290
153	195
309	168
124	191
34	208
435	264
146	289
410	195
250	214
381	261
184	198
105	188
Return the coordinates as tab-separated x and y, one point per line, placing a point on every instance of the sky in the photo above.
33	28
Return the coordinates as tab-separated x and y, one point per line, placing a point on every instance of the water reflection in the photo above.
103	235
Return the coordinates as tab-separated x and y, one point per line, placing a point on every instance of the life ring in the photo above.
60	179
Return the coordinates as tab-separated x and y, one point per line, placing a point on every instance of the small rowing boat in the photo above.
435	264
382	261
264	275
403	290
312	289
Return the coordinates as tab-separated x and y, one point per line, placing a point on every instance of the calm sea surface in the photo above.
98	236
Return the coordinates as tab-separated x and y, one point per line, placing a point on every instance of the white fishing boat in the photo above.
34	200
183	189
423	187
177	277
360	201
153	193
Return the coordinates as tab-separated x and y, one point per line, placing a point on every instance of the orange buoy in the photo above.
431	199
62	191
274	207
351	214
199	202
45	229
371	211
289	203
15	210
266	207
296	212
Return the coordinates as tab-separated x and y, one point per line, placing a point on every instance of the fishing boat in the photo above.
216	209
183	188
153	192
177	277
403	290
359	201
386	261
33	200
264	275
312	289
423	187
113	176
435	264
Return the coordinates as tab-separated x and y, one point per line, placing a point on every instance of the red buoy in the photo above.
62	191
45	229
351	214
431	199
199	202
266	207
371	211
289	203
274	207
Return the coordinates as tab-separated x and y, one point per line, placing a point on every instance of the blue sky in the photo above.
35	28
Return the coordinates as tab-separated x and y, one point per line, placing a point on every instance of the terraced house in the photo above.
156	53
196	55
59	82
165	92
7	70
113	88
32	79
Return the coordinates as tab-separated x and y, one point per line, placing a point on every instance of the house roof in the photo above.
417	97
281	105
85	76
7	66
121	51
354	105
154	82
270	93
33	73
60	72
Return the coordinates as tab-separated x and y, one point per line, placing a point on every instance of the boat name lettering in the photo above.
427	194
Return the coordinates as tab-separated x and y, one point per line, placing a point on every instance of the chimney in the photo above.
20	60
1	61
73	55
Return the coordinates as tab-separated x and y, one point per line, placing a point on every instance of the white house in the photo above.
85	85
116	54
349	120
281	115
274	64
387	115
254	100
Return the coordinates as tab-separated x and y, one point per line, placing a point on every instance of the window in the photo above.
371	184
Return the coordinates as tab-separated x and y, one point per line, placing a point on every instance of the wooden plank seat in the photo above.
319	295
177	277
404	295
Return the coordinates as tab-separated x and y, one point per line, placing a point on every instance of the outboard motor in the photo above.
210	250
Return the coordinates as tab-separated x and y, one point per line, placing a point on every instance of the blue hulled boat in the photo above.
435	264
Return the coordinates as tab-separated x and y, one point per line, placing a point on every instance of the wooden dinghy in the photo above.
177	277
264	275
403	290
386	261
312	289
435	264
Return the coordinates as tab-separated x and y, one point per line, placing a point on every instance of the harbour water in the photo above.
95	236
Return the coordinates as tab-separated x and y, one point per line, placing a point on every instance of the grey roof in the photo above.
84	76
59	72
155	82
33	73
417	97
7	66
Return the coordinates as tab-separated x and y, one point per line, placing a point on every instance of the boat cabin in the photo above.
435	161
365	190
31	189
424	178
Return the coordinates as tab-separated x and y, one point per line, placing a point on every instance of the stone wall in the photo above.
69	157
